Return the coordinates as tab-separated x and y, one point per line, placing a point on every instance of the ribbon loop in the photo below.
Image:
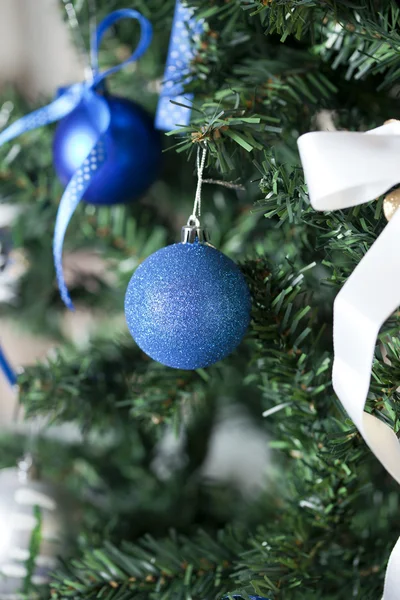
344	169
146	34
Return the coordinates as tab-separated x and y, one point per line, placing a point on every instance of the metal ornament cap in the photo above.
188	234
193	232
188	306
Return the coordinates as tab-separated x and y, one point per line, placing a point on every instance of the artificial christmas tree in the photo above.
325	521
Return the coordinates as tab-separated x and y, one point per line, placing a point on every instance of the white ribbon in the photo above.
344	169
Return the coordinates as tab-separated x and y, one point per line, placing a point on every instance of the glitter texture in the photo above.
188	306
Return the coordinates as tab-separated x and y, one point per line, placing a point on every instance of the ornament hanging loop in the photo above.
193	231
188	235
201	163
193	221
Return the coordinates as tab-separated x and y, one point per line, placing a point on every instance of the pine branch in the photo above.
178	567
108	383
221	129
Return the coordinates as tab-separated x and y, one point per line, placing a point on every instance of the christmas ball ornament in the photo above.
391	203
105	150
32	530
131	144
188	305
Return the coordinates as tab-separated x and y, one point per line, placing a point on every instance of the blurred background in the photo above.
37	56
36	51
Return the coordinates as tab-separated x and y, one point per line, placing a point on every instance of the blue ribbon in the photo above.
99	114
177	70
7	369
146	34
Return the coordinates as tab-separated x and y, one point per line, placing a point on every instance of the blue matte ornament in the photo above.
106	150
132	147
188	306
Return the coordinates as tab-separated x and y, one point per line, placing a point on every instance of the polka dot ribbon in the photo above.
185	28
97	110
85	95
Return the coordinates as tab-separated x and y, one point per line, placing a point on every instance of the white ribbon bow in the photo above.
344	169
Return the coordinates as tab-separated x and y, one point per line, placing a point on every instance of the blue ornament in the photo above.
131	144
188	306
106	150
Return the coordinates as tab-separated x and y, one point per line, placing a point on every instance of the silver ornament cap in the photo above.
193	232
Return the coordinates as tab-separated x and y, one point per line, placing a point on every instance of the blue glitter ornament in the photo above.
188	306
132	147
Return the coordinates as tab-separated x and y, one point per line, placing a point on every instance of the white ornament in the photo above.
27	508
345	169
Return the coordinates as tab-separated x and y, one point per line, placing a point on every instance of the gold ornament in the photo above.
391	203
391	121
